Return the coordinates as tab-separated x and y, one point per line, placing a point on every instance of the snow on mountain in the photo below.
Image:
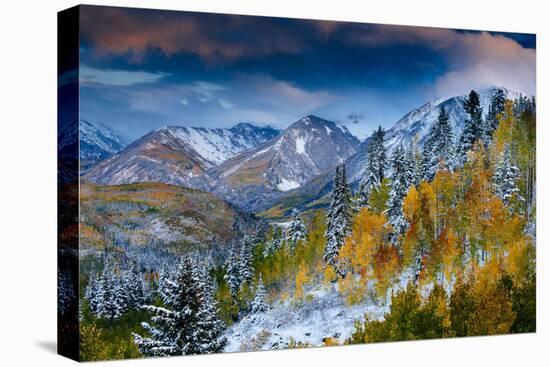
96	142
178	155
218	145
306	149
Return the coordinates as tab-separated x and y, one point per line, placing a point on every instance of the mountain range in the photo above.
255	167
178	155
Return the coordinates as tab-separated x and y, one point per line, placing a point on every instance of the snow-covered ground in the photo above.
323	315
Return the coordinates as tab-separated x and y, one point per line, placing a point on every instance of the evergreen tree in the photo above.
496	107
92	293
275	243
188	323
506	177
133	287
246	272
338	217
374	171
473	129
232	275
259	303
112	302
297	231
209	325
438	152
400	182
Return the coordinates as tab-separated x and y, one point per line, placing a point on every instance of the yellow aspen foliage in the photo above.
503	133
520	262
369	231
386	267
443	255
329	275
330	341
301	279
353	287
411	210
411	205
500	227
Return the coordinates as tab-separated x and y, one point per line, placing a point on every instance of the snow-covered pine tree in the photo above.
473	129
246	272
210	327
92	293
109	304
338	218
438	152
505	178
411	168
375	167
400	181
496	107
188	323
134	287
259	303
297	231
232	275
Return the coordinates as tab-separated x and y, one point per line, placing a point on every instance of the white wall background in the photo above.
28	181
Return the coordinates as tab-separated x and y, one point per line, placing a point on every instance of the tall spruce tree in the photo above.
338	217
133	287
232	275
438	151
246	272
375	167
259	303
506	177
297	231
188	323
400	181
496	107
473	128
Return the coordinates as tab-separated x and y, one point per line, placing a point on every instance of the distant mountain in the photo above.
178	155
96	142
412	126
306	149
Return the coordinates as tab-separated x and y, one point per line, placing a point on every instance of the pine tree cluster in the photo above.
188	323
115	291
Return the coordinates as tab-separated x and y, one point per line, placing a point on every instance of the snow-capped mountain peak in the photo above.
307	148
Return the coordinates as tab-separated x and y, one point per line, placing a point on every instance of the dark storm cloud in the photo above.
148	68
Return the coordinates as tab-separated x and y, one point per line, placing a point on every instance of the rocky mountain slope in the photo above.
177	155
306	149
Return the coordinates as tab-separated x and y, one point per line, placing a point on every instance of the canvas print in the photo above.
233	183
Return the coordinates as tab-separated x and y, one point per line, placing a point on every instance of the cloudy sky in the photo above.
143	69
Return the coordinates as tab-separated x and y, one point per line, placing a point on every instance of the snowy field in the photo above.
324	315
